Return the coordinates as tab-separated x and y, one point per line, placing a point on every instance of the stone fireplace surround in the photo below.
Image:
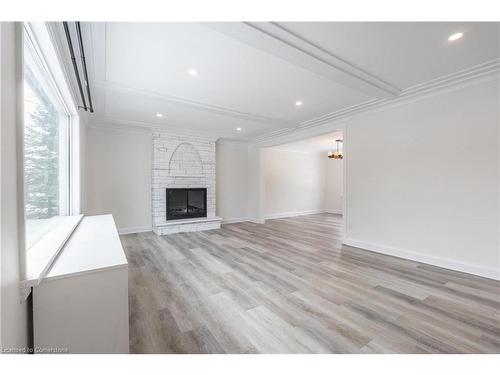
182	162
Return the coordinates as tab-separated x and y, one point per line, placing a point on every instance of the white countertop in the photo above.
94	245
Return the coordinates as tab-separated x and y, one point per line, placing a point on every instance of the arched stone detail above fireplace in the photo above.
182	162
185	161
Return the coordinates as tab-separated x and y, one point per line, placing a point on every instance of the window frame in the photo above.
40	256
41	85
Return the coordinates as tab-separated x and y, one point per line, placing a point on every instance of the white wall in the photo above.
118	166
333	189
423	180
256	184
13	312
118	177
232	181
295	182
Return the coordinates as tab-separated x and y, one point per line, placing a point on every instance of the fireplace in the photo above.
186	203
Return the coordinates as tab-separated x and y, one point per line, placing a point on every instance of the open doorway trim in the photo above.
309	133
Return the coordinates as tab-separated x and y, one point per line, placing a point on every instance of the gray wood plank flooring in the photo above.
290	286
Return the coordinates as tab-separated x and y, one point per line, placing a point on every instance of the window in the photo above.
51	138
46	148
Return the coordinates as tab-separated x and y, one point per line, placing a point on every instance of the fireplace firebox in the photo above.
186	203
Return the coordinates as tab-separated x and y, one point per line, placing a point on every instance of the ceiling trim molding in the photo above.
101	81
280	149
483	72
297	41
285	44
231	141
197	105
427	88
112	123
118	127
301	134
275	39
189	136
473	72
115	126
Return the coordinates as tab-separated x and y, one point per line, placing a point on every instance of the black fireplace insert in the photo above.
186	203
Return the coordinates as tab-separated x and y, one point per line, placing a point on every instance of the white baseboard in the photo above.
294	213
300	213
131	230
474	269
243	219
333	211
256	220
235	220
276	216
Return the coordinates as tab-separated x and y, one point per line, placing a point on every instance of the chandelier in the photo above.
336	154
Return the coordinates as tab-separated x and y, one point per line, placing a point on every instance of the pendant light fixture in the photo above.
338	153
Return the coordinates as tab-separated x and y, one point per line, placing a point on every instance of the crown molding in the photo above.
306	46
101	84
429	88
331	121
188	136
142	127
482	72
297	135
232	141
312	152
118	127
275	39
198	105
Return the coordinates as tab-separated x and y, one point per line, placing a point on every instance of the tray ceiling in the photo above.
250	75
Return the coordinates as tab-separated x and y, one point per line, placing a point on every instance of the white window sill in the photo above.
41	256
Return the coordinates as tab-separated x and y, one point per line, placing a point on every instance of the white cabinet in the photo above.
82	303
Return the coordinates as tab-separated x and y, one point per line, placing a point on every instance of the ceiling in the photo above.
250	75
321	143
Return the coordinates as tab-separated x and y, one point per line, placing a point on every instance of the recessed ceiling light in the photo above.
298	103
192	72
159	115
455	36
239	129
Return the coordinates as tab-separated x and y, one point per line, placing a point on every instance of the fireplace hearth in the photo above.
186	203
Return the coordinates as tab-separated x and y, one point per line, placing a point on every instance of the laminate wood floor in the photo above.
289	286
